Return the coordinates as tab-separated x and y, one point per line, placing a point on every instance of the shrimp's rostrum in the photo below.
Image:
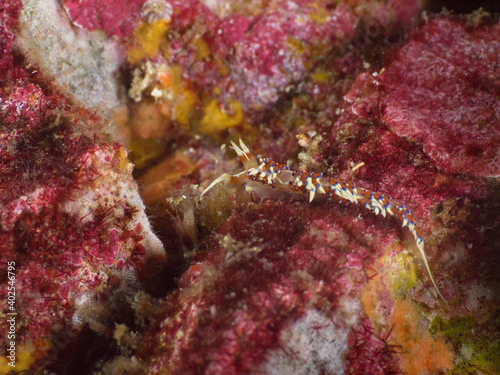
268	174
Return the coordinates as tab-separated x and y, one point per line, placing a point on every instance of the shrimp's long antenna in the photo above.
420	247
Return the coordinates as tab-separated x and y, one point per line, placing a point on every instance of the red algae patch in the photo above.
115	17
233	68
273	286
441	90
275	293
414	126
72	224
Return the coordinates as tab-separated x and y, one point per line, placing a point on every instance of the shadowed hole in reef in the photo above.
161	278
83	352
462	6
80	356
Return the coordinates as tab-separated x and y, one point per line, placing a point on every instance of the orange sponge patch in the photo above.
421	353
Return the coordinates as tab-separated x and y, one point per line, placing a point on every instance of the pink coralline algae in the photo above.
276	293
252	59
273	285
116	18
448	78
271	280
242	63
441	91
414	145
280	48
71	219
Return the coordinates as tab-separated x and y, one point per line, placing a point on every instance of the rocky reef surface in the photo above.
398	100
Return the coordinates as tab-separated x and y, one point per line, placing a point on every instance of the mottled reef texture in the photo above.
72	220
401	101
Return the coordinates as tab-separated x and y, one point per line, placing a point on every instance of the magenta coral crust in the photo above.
440	91
263	273
9	21
315	240
115	17
280	286
369	354
68	204
412	131
25	104
254	58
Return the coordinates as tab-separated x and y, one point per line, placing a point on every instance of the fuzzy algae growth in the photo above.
477	351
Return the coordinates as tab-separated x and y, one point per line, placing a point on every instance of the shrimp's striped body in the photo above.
269	174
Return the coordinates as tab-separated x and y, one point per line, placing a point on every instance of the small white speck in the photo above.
156	93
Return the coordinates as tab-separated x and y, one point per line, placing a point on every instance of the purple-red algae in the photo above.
279	286
452	115
116	18
262	277
9	14
447	78
413	154
402	166
370	354
71	218
243	65
396	166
